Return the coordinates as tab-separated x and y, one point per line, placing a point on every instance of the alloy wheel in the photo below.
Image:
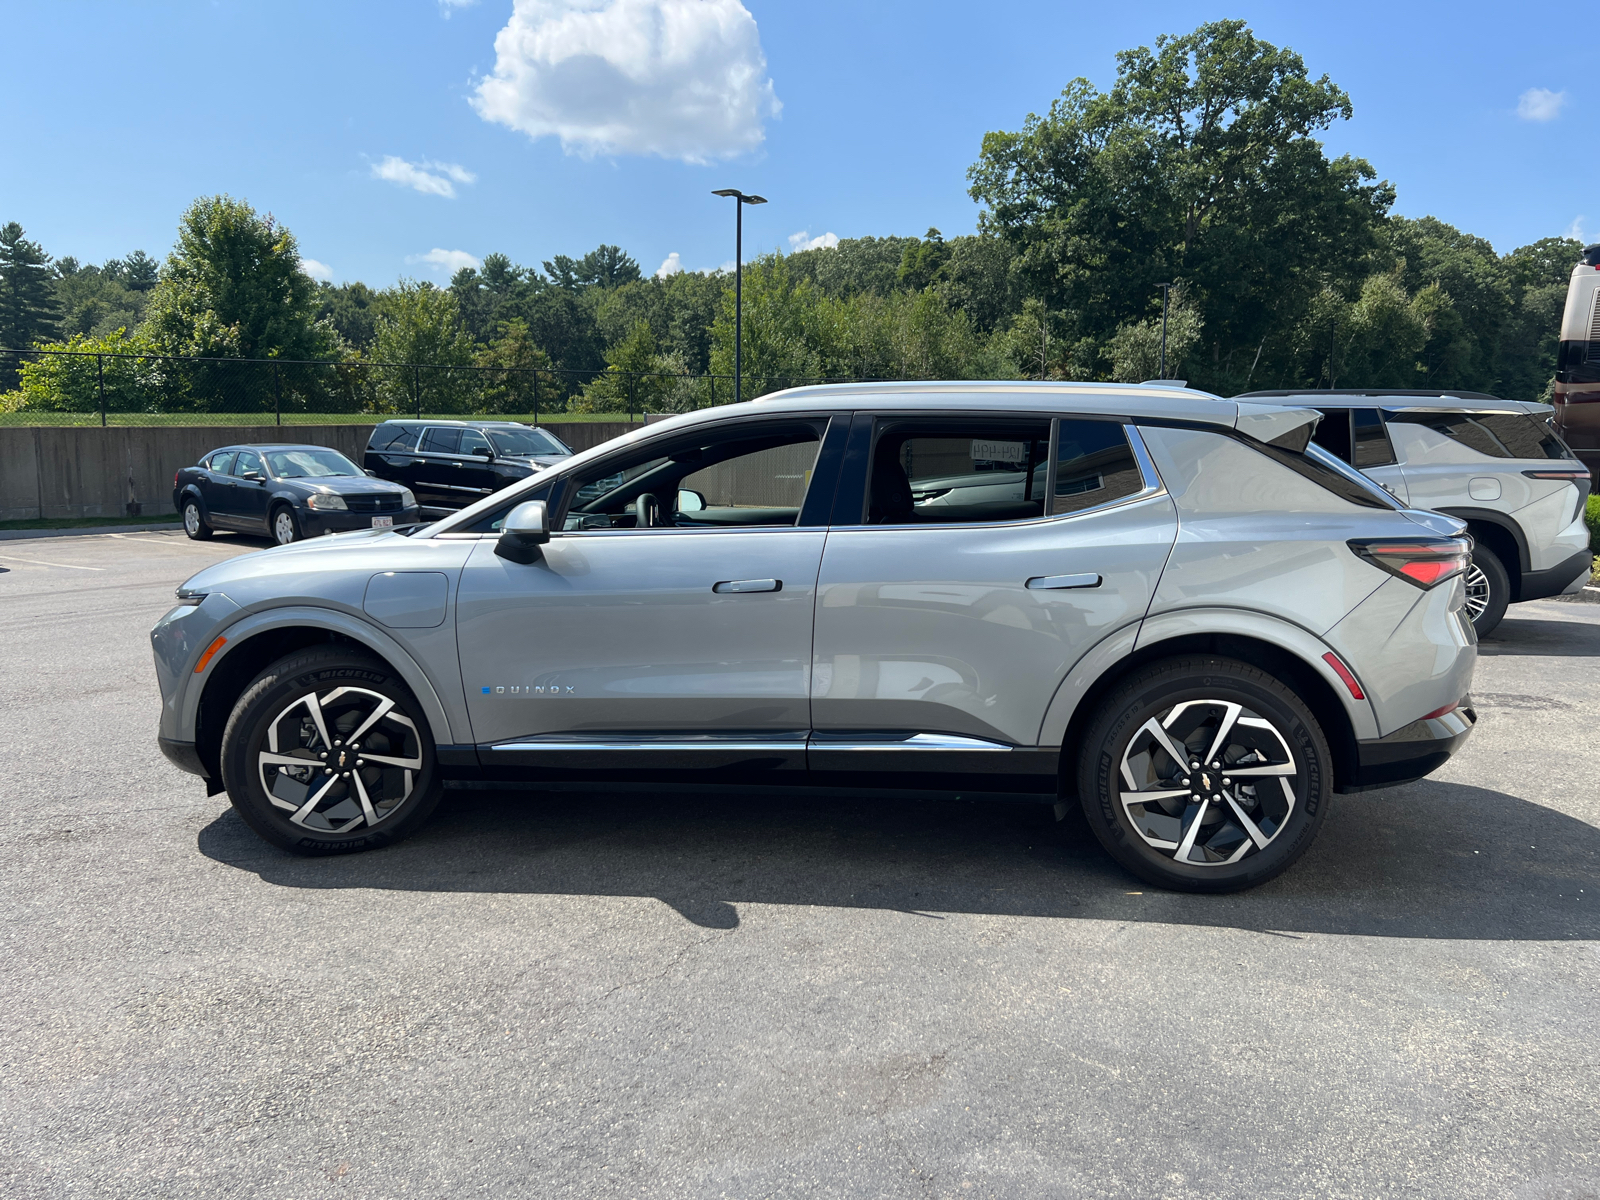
191	518
1477	591
283	527
1208	782
337	761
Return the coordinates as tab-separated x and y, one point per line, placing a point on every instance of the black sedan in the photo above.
286	492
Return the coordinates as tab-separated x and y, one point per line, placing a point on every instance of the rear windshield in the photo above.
1496	435
1327	471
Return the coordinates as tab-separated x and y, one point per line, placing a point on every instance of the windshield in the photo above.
521	442
309	464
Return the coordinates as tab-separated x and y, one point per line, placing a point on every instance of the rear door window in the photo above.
222	462
394	437
1494	435
1094	466
944	471
437	440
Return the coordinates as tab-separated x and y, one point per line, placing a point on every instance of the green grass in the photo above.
87	522
256	418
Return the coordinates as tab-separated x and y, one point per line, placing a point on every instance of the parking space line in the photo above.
39	562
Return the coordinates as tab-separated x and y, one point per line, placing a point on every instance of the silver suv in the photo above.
1499	465
1170	606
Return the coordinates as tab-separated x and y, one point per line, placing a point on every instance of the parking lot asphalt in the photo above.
636	994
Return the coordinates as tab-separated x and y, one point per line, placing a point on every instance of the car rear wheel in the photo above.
1488	590
285	528
327	752
1204	775
194	520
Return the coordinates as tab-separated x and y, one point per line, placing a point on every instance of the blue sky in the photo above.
383	132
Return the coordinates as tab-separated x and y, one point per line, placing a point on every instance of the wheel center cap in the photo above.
341	760
1205	781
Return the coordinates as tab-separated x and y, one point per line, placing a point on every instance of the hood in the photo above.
272	560
347	485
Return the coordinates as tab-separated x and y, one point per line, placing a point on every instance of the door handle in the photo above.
748	585
1055	583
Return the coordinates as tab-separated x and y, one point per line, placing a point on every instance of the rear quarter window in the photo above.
1493	435
392	437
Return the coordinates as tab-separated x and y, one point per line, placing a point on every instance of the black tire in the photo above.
194	519
280	521
1289	825
342	821
1487	596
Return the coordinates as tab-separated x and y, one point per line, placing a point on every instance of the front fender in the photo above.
357	630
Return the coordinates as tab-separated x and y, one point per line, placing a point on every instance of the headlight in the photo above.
188	599
407	500
324	501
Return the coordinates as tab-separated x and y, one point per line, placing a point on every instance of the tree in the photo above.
28	309
627	384
514	371
420	324
1135	348
352	310
1199	164
606	267
923	262
233	288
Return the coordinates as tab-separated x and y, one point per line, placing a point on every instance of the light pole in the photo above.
739	201
1166	290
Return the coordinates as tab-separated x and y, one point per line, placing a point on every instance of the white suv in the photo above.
1498	465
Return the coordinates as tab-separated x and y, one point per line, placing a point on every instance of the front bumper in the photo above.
1559	579
1408	754
315	522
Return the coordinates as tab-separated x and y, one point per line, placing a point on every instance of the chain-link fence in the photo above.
67	387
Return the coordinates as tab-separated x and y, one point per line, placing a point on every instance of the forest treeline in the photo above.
1200	167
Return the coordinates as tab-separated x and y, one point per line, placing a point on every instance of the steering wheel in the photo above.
646	511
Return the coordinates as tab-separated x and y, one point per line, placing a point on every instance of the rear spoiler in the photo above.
1287	428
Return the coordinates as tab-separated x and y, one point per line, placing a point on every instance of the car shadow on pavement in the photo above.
1428	860
1528	635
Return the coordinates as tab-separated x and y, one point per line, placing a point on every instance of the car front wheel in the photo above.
285	528
328	752
1204	775
194	521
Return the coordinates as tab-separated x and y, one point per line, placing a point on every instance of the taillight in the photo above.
1422	561
175	475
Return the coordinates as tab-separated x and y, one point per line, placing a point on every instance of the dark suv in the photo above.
449	464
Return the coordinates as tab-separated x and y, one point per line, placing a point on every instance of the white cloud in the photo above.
1540	104
315	269
429	178
449	261
680	79
672	266
1575	230
804	241
447	6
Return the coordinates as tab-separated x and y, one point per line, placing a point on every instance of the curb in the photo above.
18	535
1589	595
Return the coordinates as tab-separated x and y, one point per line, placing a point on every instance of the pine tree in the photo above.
27	299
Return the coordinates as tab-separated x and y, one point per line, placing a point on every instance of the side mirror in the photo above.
252	476
690	501
484	452
526	528
371	472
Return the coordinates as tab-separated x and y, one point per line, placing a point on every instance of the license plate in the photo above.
383	522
